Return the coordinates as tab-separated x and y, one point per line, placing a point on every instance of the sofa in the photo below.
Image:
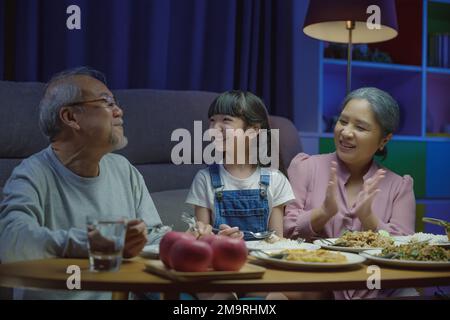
150	117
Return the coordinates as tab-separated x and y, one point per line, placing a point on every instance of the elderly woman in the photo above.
347	189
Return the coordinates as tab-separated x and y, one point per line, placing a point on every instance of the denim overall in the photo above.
246	209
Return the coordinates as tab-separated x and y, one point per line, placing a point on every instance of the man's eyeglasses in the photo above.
109	101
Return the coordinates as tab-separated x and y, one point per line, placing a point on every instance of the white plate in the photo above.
150	251
352	259
371	255
324	244
406	239
280	245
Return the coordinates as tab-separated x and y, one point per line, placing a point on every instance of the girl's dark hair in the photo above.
241	104
247	106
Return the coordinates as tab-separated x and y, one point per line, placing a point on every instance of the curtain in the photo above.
210	45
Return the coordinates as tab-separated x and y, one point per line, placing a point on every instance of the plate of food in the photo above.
357	241
413	255
297	259
428	238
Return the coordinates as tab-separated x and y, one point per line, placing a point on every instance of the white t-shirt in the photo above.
202	193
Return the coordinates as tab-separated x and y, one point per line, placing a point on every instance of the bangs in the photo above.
227	105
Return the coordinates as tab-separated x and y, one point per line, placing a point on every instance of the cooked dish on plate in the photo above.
320	255
303	259
429	238
364	239
417	252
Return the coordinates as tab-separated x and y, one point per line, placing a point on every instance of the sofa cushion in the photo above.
20	136
6	168
290	144
151	116
170	204
167	176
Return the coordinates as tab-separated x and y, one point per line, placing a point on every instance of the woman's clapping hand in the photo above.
365	198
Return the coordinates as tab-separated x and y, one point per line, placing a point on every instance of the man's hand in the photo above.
99	243
135	239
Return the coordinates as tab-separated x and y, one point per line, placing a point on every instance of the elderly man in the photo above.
50	194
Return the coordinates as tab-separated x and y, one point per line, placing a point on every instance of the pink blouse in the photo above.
394	205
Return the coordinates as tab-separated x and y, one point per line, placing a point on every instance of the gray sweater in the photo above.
43	213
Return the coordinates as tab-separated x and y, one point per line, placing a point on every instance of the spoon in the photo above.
439	222
260	235
256	235
191	221
279	255
331	243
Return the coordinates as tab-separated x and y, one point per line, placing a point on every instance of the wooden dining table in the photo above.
133	277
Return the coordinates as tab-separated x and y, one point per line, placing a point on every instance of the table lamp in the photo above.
346	21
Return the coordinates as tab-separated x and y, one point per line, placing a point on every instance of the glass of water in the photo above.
106	239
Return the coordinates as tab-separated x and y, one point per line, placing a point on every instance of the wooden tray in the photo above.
248	271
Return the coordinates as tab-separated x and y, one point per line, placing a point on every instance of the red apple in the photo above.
168	240
209	238
229	254
191	256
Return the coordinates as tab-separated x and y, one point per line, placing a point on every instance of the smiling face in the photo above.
238	117
357	134
226	127
100	121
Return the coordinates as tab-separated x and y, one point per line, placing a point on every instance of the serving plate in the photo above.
150	252
327	244
371	255
352	260
280	245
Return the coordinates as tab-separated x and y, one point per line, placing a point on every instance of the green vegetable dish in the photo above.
417	252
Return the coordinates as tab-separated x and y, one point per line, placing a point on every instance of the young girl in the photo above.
236	196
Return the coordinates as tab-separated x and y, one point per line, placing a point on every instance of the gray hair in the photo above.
385	108
61	91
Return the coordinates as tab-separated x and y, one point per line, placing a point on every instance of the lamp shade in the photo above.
326	20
